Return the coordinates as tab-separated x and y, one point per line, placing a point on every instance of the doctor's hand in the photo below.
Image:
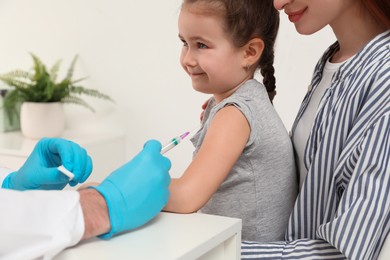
138	190
40	169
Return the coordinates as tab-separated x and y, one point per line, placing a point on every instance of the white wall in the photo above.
130	50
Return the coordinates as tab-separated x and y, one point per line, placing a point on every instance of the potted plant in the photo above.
41	97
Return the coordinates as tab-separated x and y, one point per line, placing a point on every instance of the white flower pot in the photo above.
39	120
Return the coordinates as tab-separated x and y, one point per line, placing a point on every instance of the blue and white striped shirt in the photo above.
343	209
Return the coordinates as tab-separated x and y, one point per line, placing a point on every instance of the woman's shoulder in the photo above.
376	50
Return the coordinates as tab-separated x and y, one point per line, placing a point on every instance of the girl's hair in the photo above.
380	9
245	20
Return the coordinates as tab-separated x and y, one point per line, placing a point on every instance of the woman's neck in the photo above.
353	30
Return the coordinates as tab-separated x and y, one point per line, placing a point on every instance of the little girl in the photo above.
243	164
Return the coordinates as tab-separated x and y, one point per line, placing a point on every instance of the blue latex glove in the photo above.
137	191
40	169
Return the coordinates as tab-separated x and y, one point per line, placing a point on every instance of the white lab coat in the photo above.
38	224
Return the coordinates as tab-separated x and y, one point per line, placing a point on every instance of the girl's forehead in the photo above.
200	13
189	19
203	7
207	29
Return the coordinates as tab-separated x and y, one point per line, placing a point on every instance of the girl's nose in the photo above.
187	58
280	4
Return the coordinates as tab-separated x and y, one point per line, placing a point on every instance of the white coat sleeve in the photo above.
38	224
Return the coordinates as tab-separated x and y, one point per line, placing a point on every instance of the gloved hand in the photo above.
40	169
138	190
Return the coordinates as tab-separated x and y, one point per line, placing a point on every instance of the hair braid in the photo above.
267	70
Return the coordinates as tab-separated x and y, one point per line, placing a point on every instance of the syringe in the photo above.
175	141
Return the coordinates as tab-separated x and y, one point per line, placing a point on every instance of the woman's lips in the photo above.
295	16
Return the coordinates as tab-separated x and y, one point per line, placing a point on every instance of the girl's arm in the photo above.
223	144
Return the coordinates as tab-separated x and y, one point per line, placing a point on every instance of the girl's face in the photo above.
208	56
310	16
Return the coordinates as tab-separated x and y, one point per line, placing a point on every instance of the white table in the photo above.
107	149
169	236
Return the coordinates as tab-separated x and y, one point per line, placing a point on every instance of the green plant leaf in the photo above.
39	68
77	101
78	80
54	70
90	92
71	68
21	74
41	85
15	82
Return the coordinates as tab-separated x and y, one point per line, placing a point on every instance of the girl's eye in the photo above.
202	45
185	44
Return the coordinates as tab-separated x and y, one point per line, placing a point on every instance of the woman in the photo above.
341	137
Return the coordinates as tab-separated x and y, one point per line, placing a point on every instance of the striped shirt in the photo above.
343	209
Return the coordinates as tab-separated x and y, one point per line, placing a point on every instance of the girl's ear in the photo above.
252	51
